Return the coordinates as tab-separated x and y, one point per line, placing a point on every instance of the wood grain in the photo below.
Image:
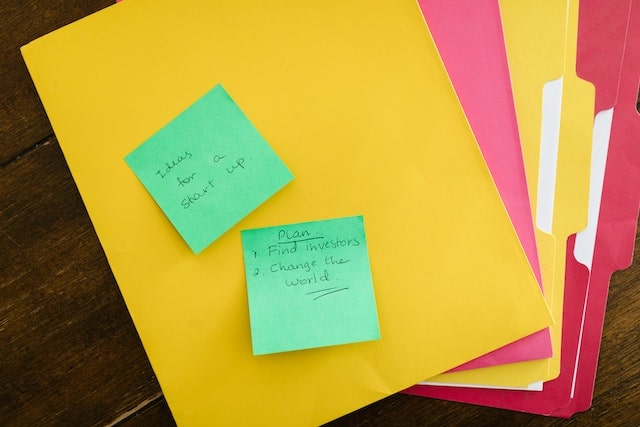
69	353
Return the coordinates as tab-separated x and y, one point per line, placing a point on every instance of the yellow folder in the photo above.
354	99
541	40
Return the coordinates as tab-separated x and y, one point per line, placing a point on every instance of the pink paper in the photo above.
470	41
615	237
586	292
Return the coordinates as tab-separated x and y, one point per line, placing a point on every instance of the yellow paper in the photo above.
354	99
537	57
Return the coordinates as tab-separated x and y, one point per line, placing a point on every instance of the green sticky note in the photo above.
309	285
208	168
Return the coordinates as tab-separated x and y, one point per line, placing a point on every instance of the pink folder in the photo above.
585	291
470	41
617	225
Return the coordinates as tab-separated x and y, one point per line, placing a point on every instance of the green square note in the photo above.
208	168
309	285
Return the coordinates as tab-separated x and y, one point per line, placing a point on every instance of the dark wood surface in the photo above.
69	353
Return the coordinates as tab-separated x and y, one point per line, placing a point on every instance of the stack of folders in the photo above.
308	208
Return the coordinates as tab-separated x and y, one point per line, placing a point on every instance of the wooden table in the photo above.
69	353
